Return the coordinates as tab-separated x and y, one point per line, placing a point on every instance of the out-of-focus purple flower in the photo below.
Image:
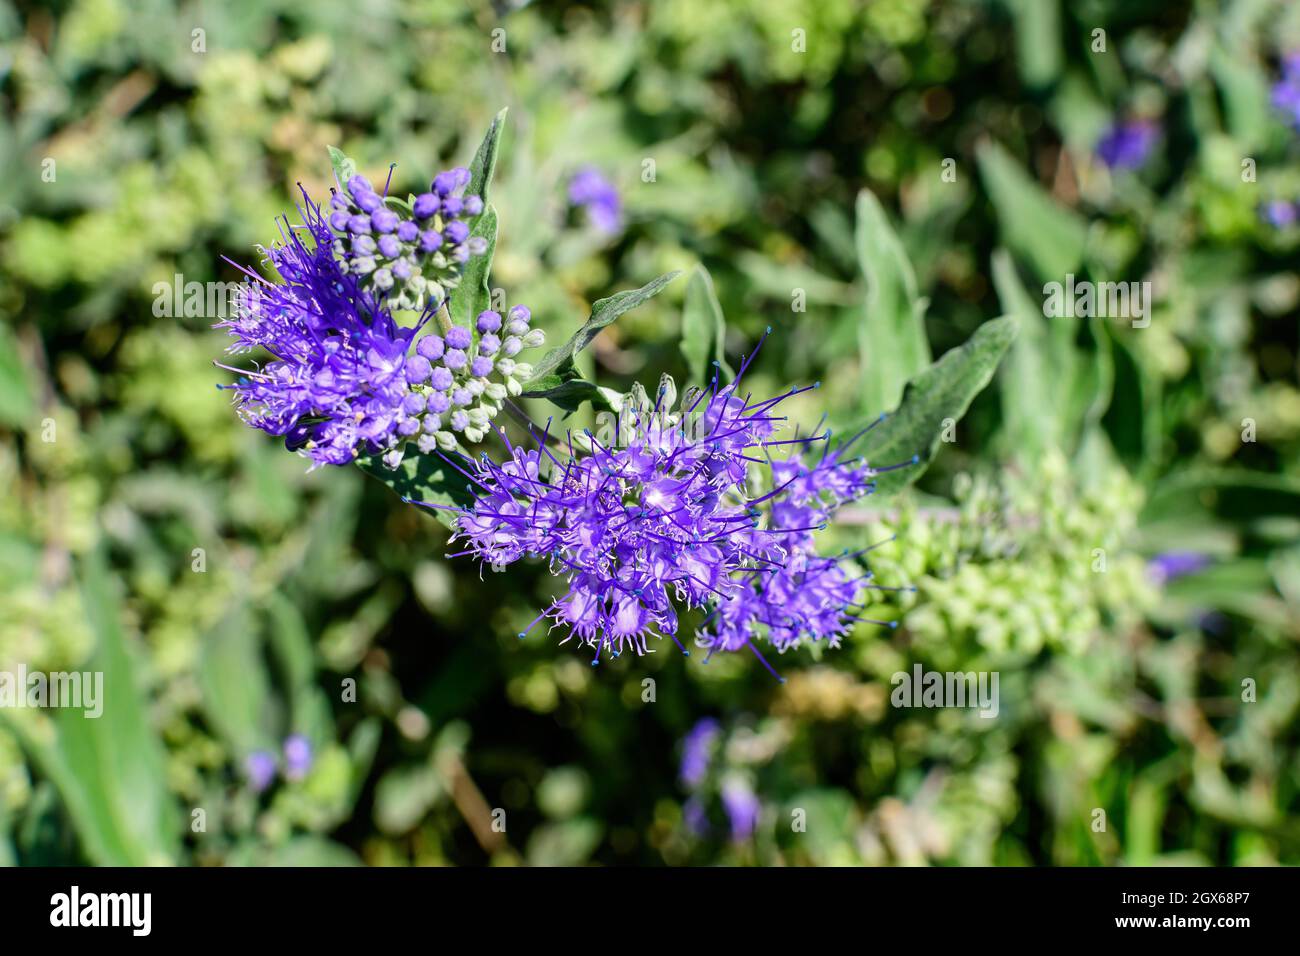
297	757
689	506
1128	143
1286	92
1164	568
591	190
697	751
695	817
1280	214
743	809
259	766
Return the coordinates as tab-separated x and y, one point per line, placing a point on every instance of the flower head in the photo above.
411	254
341	382
687	509
335	385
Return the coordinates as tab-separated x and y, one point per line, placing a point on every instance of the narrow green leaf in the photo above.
299	851
556	368
1038	40
294	654
484	164
423	478
109	770
704	331
1030	414
16	406
1042	233
1245	94
570	393
344	168
473	294
234	684
891	335
944	390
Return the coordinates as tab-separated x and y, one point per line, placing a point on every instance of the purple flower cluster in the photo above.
449	376
342	381
337	381
592	191
1286	92
686	509
410	258
1128	143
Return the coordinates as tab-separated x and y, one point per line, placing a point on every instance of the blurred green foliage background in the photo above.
172	148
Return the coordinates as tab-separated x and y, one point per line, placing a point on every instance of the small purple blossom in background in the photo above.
259	767
1128	143
1164	568
297	757
592	191
1286	92
697	751
1280	214
743	809
695	816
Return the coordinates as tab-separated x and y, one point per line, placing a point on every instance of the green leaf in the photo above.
1030	413
423	478
344	168
484	164
570	393
891	335
1038	40
233	680
1042	233
472	295
300	851
569	843
704	331
294	654
1245	95
404	795
556	368
16	405
109	770
944	390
